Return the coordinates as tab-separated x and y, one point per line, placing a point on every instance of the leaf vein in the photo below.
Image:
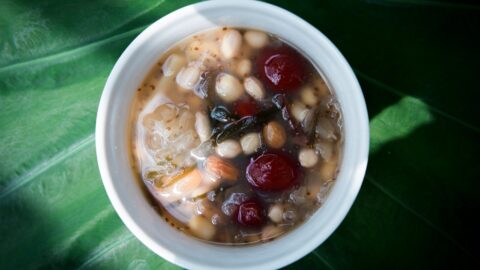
28	176
78	50
420	217
96	255
323	260
402	94
105	36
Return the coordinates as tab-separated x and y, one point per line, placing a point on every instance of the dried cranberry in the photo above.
282	69
246	107
273	172
250	213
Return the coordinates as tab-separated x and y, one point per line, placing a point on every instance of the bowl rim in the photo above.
105	107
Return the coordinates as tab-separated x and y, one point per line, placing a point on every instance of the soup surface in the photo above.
236	137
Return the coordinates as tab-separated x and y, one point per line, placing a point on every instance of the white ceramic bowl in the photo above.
112	147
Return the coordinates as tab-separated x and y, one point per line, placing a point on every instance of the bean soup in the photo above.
236	137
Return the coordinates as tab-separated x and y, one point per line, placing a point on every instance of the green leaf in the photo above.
417	62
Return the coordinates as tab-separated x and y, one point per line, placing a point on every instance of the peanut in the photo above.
221	168
274	134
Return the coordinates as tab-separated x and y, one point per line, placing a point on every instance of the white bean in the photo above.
202	126
243	67
308	96
231	44
250	143
275	213
299	111
307	157
201	227
254	88
256	39
187	77
228	87
173	64
228	149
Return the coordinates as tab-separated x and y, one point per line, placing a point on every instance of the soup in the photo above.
236	136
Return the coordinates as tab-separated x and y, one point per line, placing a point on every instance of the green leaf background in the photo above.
417	62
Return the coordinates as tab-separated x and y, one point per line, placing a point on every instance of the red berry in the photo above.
250	213
273	172
245	107
282	69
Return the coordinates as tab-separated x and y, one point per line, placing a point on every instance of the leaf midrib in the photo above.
96	255
77	50
20	181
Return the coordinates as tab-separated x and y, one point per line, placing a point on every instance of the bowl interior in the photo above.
112	147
